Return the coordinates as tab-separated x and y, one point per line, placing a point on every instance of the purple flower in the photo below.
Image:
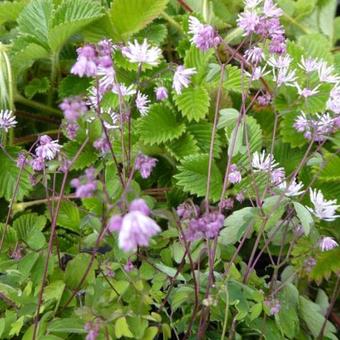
309	264
301	123
7	120
271	10
142	53
323	209
73	108
65	165
38	164
204	36
115	223
227	203
327	243
161	93
187	210
206	226
48	148
71	130
86	62
264	100
248	21
278	44
273	305
234	175
142	103
136	228
85	185
102	145
145	165
333	102
254	55
240	197
92	329
139	205
21	160
128	267
182	78
277	176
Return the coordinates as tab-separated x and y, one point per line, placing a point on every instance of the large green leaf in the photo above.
9	10
184	146
194	103
27	224
69	216
160	125
9	174
193	176
69	18
85	159
130	16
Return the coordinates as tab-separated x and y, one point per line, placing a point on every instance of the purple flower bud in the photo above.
85	185
161	93
187	210
240	197
92	330
38	164
128	267
21	160
102	145
86	62
227	204
264	100
71	130
234	175
145	165
139	205
73	108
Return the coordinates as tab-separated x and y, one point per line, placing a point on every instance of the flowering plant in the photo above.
169	169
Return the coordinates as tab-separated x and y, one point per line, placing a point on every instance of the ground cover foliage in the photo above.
169	169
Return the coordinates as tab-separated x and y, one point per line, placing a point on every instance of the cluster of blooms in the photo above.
226	204
135	228
102	145
317	129
85	185
267	163
73	108
263	20
204	37
206	225
273	305
46	150
7	120
145	165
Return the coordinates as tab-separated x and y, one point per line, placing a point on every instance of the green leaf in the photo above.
160	125
9	11
69	18
184	146
194	103
227	117
156	33
180	296
171	272
73	86
37	85
193	176
9	176
76	268
310	314
233	79
130	16
331	171
289	133
27	224
327	12
69	216
316	45
34	21
236	224
326	263
304	216
202	133
122	328
85	159
66	325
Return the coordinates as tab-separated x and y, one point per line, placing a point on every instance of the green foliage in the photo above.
160	125
193	103
193	174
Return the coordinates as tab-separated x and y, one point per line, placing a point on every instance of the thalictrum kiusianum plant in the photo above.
169	169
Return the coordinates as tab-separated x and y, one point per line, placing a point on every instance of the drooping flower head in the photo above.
73	108
234	175
47	148
142	103
323	209
327	243
142	53
86	62
263	162
145	165
7	120
293	189
161	93
182	78
101	144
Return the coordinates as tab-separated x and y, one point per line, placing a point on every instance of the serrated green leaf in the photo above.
37	85
69	18
9	10
227	117
27	224
156	33
130	16
194	103
326	263
86	158
66	325
330	172
184	146
327	12
160	125
73	86
233	79
9	175
316	45
193	176
202	133
69	216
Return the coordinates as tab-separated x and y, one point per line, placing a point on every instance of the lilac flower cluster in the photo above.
145	165
273	305
205	226
135	228
85	185
92	329
102	145
234	174
204	37
264	21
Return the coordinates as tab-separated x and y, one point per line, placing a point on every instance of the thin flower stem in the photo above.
213	134
52	233
185	5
